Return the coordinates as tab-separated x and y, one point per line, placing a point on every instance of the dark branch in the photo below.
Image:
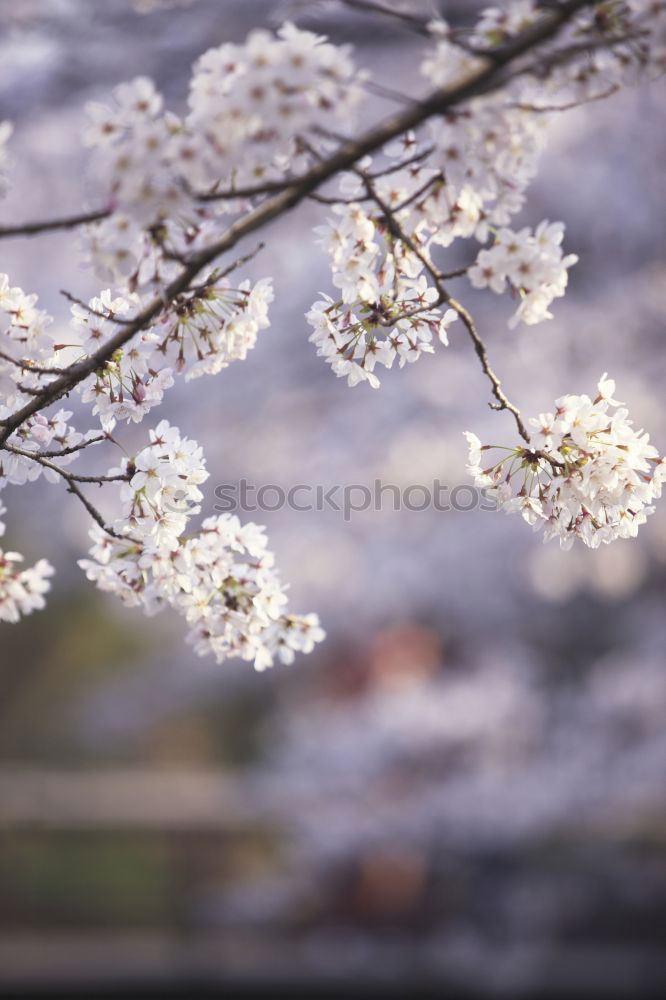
111	317
52	225
71	481
73	447
411	21
394	227
251	191
489	77
503	402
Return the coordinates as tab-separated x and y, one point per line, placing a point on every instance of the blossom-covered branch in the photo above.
485	77
262	135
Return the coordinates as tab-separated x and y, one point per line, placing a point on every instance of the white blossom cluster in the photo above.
222	579
487	152
162	490
392	300
252	105
387	309
587	474
466	177
41	436
28	355
252	109
203	330
533	266
353	342
134	152
639	26
466	183
26	345
127	385
153	223
21	590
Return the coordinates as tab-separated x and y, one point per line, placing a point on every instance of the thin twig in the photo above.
438	178
73	447
380	90
28	390
503	402
250	191
211	281
551	60
242	260
94	312
548	108
71	481
323	199
459	273
402	164
30	366
52	225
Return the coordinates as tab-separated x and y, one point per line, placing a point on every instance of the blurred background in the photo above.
464	786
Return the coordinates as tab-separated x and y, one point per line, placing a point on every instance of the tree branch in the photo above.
503	402
73	447
411	21
251	191
485	79
94	312
26	365
51	225
71	481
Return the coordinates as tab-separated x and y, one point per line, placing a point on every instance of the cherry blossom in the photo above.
250	103
222	579
22	590
205	329
587	475
531	264
27	345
